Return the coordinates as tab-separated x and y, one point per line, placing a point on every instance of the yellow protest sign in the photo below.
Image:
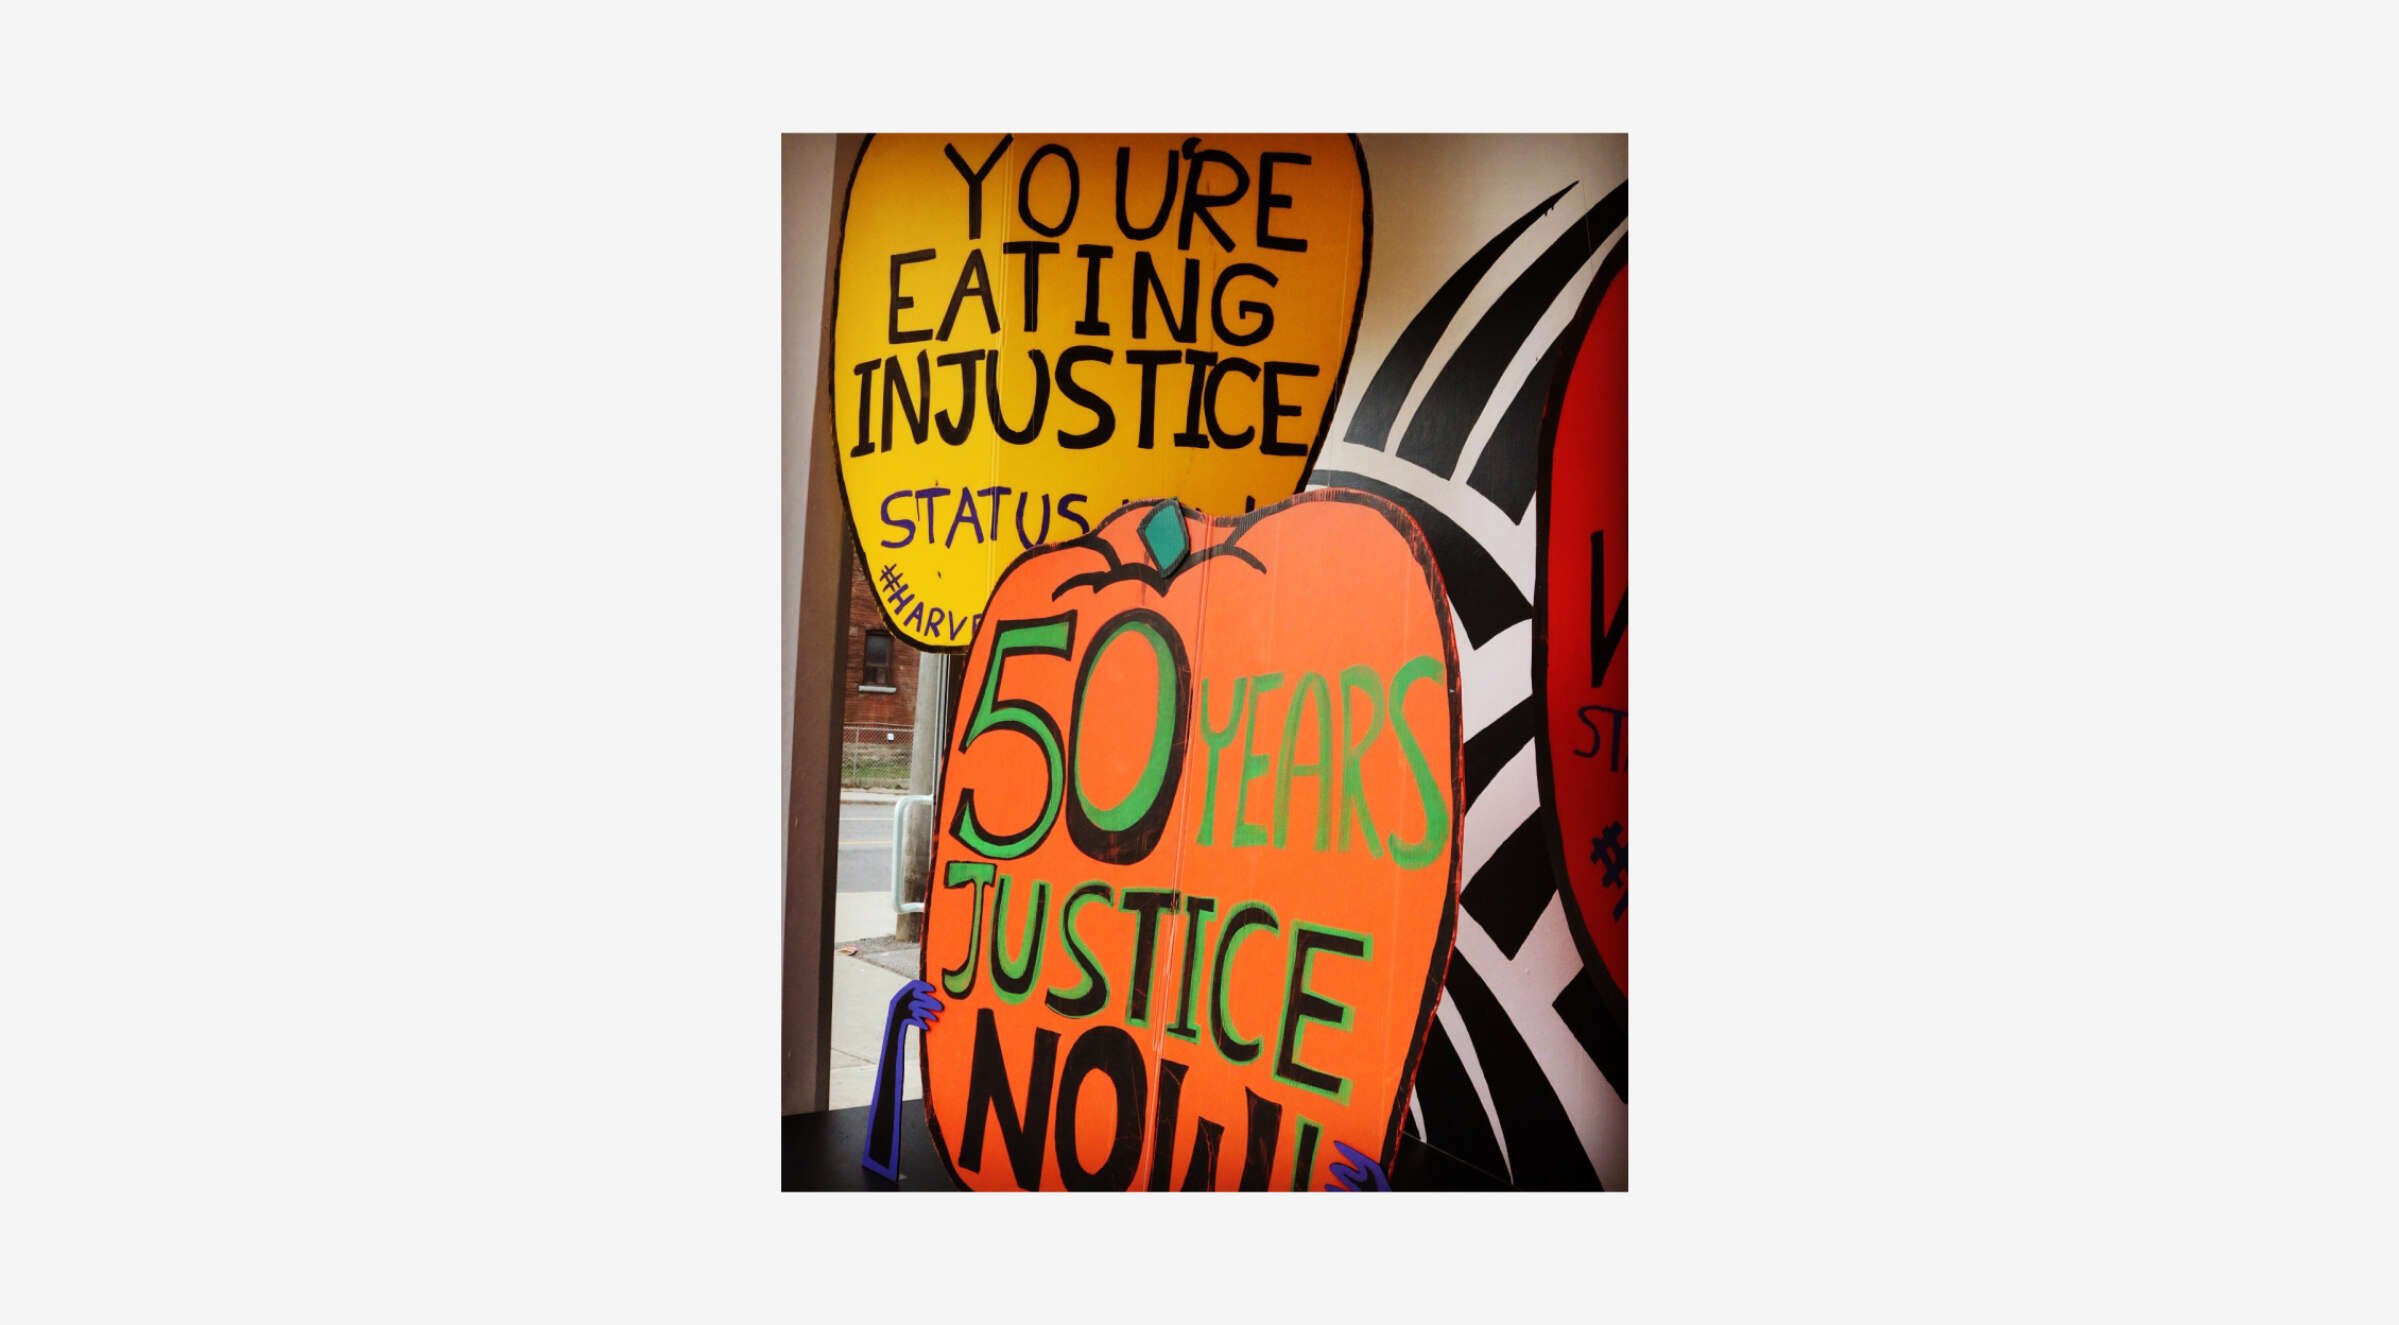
1031	330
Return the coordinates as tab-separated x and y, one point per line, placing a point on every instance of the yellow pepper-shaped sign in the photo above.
1031	330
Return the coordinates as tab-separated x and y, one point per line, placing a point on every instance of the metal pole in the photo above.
912	835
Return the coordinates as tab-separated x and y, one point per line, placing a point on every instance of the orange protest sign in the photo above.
1196	880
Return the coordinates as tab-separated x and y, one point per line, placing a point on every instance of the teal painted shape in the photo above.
1163	534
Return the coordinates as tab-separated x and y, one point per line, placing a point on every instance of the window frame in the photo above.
868	675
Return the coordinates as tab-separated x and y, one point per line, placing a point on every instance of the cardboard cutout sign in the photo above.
1030	330
1195	885
1583	656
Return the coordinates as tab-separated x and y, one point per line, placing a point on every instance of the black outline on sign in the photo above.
1324	426
1120	569
1133	844
1444	939
1612	997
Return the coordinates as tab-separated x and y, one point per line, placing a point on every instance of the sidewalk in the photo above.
862	989
862	992
861	998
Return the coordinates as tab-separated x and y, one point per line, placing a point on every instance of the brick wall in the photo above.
868	707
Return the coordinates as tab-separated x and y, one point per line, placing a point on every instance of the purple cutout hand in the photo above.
1361	1174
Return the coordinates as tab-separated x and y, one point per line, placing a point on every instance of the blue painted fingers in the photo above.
1360	1174
915	1005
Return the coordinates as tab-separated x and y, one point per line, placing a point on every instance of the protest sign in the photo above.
1195	885
1031	330
1582	656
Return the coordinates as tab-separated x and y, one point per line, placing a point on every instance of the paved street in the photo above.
865	847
